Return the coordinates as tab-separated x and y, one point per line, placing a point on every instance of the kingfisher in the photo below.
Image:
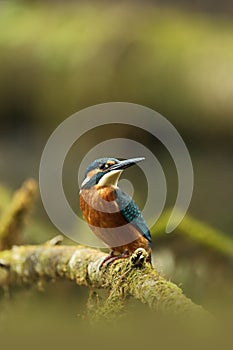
111	213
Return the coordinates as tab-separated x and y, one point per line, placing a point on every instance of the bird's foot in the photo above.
111	257
139	257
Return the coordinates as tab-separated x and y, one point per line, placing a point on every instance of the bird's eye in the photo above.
104	166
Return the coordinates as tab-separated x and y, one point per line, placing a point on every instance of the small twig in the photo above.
55	240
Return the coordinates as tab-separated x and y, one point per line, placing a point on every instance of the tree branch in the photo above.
13	218
197	231
124	277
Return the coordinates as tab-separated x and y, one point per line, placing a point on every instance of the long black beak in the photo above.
123	164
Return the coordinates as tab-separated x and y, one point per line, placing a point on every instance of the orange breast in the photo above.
104	218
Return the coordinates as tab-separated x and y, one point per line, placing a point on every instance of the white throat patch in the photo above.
111	178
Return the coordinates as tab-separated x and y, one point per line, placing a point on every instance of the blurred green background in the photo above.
57	57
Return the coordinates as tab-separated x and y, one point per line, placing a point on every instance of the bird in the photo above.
112	214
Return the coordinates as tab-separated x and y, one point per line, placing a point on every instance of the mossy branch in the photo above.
197	231
13	217
124	277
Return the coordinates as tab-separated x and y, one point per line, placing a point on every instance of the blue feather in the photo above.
132	213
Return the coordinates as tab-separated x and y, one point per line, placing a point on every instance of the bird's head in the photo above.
106	171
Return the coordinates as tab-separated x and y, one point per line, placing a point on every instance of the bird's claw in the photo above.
139	256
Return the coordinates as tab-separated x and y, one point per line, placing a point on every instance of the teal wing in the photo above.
132	213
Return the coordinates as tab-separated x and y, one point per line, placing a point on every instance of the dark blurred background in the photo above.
176	57
57	57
